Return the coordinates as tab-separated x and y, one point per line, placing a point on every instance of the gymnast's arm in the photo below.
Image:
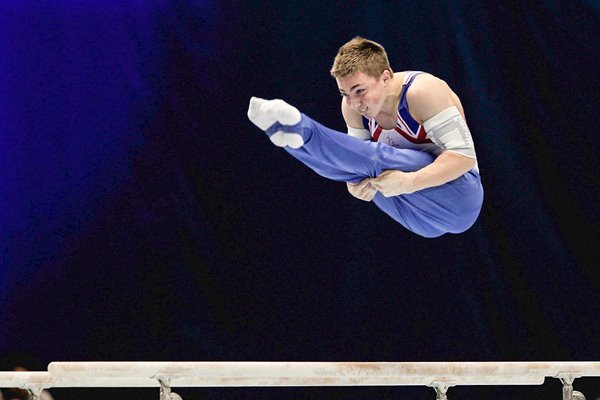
361	190
432	103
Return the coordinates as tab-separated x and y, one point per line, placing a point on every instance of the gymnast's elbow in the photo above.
463	161
468	162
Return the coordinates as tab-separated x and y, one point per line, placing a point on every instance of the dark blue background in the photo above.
143	217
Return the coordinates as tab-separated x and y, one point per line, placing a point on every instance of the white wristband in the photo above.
360	133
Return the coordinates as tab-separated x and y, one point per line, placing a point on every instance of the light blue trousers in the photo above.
449	208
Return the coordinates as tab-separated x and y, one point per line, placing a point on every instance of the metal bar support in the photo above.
567	390
34	392
165	390
440	389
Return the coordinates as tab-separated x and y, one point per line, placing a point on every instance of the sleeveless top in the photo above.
408	133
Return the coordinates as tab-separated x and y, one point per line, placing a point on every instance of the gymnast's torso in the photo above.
407	132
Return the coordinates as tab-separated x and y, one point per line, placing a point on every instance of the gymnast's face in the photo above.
364	93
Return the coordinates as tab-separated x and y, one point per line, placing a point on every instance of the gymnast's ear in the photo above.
386	76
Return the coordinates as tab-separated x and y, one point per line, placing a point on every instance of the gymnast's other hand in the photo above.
393	183
362	190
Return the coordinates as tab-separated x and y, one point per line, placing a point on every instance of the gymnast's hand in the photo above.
393	183
362	190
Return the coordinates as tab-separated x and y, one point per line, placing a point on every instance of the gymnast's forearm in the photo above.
447	167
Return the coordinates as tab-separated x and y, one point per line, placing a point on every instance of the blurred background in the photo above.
143	217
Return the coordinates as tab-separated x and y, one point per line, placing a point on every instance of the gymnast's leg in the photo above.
452	207
331	154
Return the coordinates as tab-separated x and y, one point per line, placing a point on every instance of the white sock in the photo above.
282	139
264	113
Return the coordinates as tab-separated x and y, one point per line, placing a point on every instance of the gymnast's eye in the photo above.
360	91
343	94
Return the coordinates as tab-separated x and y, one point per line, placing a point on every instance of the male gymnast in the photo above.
408	147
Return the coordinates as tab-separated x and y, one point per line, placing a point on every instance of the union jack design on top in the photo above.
406	126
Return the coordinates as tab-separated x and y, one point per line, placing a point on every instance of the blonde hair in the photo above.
360	55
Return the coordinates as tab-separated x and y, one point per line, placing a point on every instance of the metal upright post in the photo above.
440	390
567	390
165	390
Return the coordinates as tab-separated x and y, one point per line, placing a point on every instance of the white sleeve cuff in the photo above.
360	133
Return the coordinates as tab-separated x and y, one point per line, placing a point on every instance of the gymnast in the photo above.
408	147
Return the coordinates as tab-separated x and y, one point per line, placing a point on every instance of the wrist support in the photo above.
360	133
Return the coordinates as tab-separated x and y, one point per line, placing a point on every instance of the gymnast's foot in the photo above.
267	113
